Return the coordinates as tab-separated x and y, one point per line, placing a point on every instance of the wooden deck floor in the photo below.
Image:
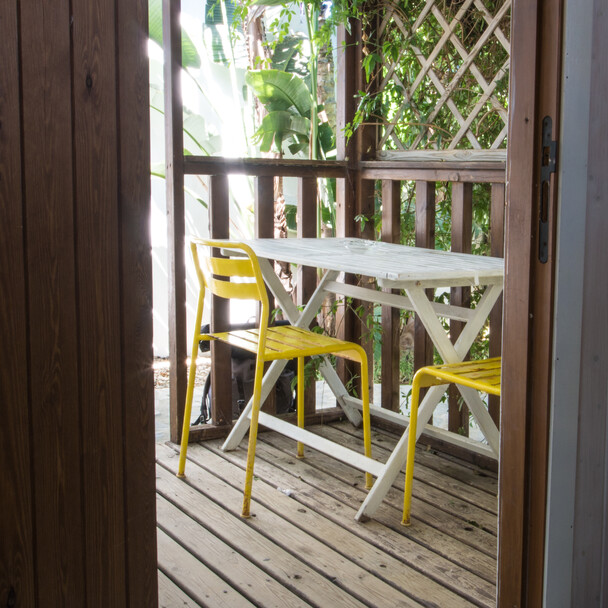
303	547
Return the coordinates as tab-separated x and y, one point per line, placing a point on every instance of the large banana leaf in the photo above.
190	56
288	57
280	90
280	125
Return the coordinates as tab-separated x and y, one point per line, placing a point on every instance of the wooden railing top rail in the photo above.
216	165
437	170
479	172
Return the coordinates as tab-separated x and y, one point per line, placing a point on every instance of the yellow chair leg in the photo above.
190	392
253	435
411	447
300	405
367	436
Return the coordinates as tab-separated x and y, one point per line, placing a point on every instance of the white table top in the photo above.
394	266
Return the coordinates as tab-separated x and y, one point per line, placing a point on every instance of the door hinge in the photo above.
548	162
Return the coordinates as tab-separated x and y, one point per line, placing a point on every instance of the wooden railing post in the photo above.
174	173
348	62
263	211
462	227
425	237
497	244
307	276
391	233
221	402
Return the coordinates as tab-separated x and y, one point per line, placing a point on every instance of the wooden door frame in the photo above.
528	315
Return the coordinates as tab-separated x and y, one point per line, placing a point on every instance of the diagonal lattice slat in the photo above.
455	95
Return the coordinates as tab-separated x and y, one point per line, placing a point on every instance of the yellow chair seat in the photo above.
483	376
286	342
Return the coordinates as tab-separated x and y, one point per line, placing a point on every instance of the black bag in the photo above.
243	372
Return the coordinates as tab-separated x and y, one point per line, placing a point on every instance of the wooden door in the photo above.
529	285
77	476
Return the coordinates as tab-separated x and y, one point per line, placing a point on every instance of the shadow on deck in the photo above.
302	547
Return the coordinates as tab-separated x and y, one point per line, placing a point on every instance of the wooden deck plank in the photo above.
303	536
197	581
338	568
171	596
264	553
332	521
464	472
234	566
434	528
459	482
433	486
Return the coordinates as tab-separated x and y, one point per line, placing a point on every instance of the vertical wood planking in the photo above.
425	237
136	304
174	172
497	249
462	228
98	297
17	561
49	213
76	312
307	276
391	233
221	406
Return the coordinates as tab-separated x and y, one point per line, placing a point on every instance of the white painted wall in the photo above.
572	200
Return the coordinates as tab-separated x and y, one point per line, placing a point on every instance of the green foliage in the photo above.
409	97
280	90
190	56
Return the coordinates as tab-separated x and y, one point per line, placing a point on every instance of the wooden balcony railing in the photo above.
356	183
390	175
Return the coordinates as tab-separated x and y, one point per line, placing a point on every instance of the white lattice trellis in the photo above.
449	123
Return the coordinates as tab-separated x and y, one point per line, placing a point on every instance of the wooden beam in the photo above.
346	189
432	172
497	249
391	233
174	176
264	216
462	229
307	276
209	165
221	369
425	237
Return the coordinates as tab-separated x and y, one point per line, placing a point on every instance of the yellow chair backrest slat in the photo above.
230	267
226	289
209	270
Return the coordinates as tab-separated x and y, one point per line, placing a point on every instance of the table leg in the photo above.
299	319
454	353
398	456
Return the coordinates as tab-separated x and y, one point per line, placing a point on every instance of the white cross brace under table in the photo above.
413	270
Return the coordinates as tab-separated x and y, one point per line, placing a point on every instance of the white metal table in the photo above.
413	270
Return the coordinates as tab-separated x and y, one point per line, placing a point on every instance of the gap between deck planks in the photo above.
405	560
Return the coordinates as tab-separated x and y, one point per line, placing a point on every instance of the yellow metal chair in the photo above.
218	274
481	375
